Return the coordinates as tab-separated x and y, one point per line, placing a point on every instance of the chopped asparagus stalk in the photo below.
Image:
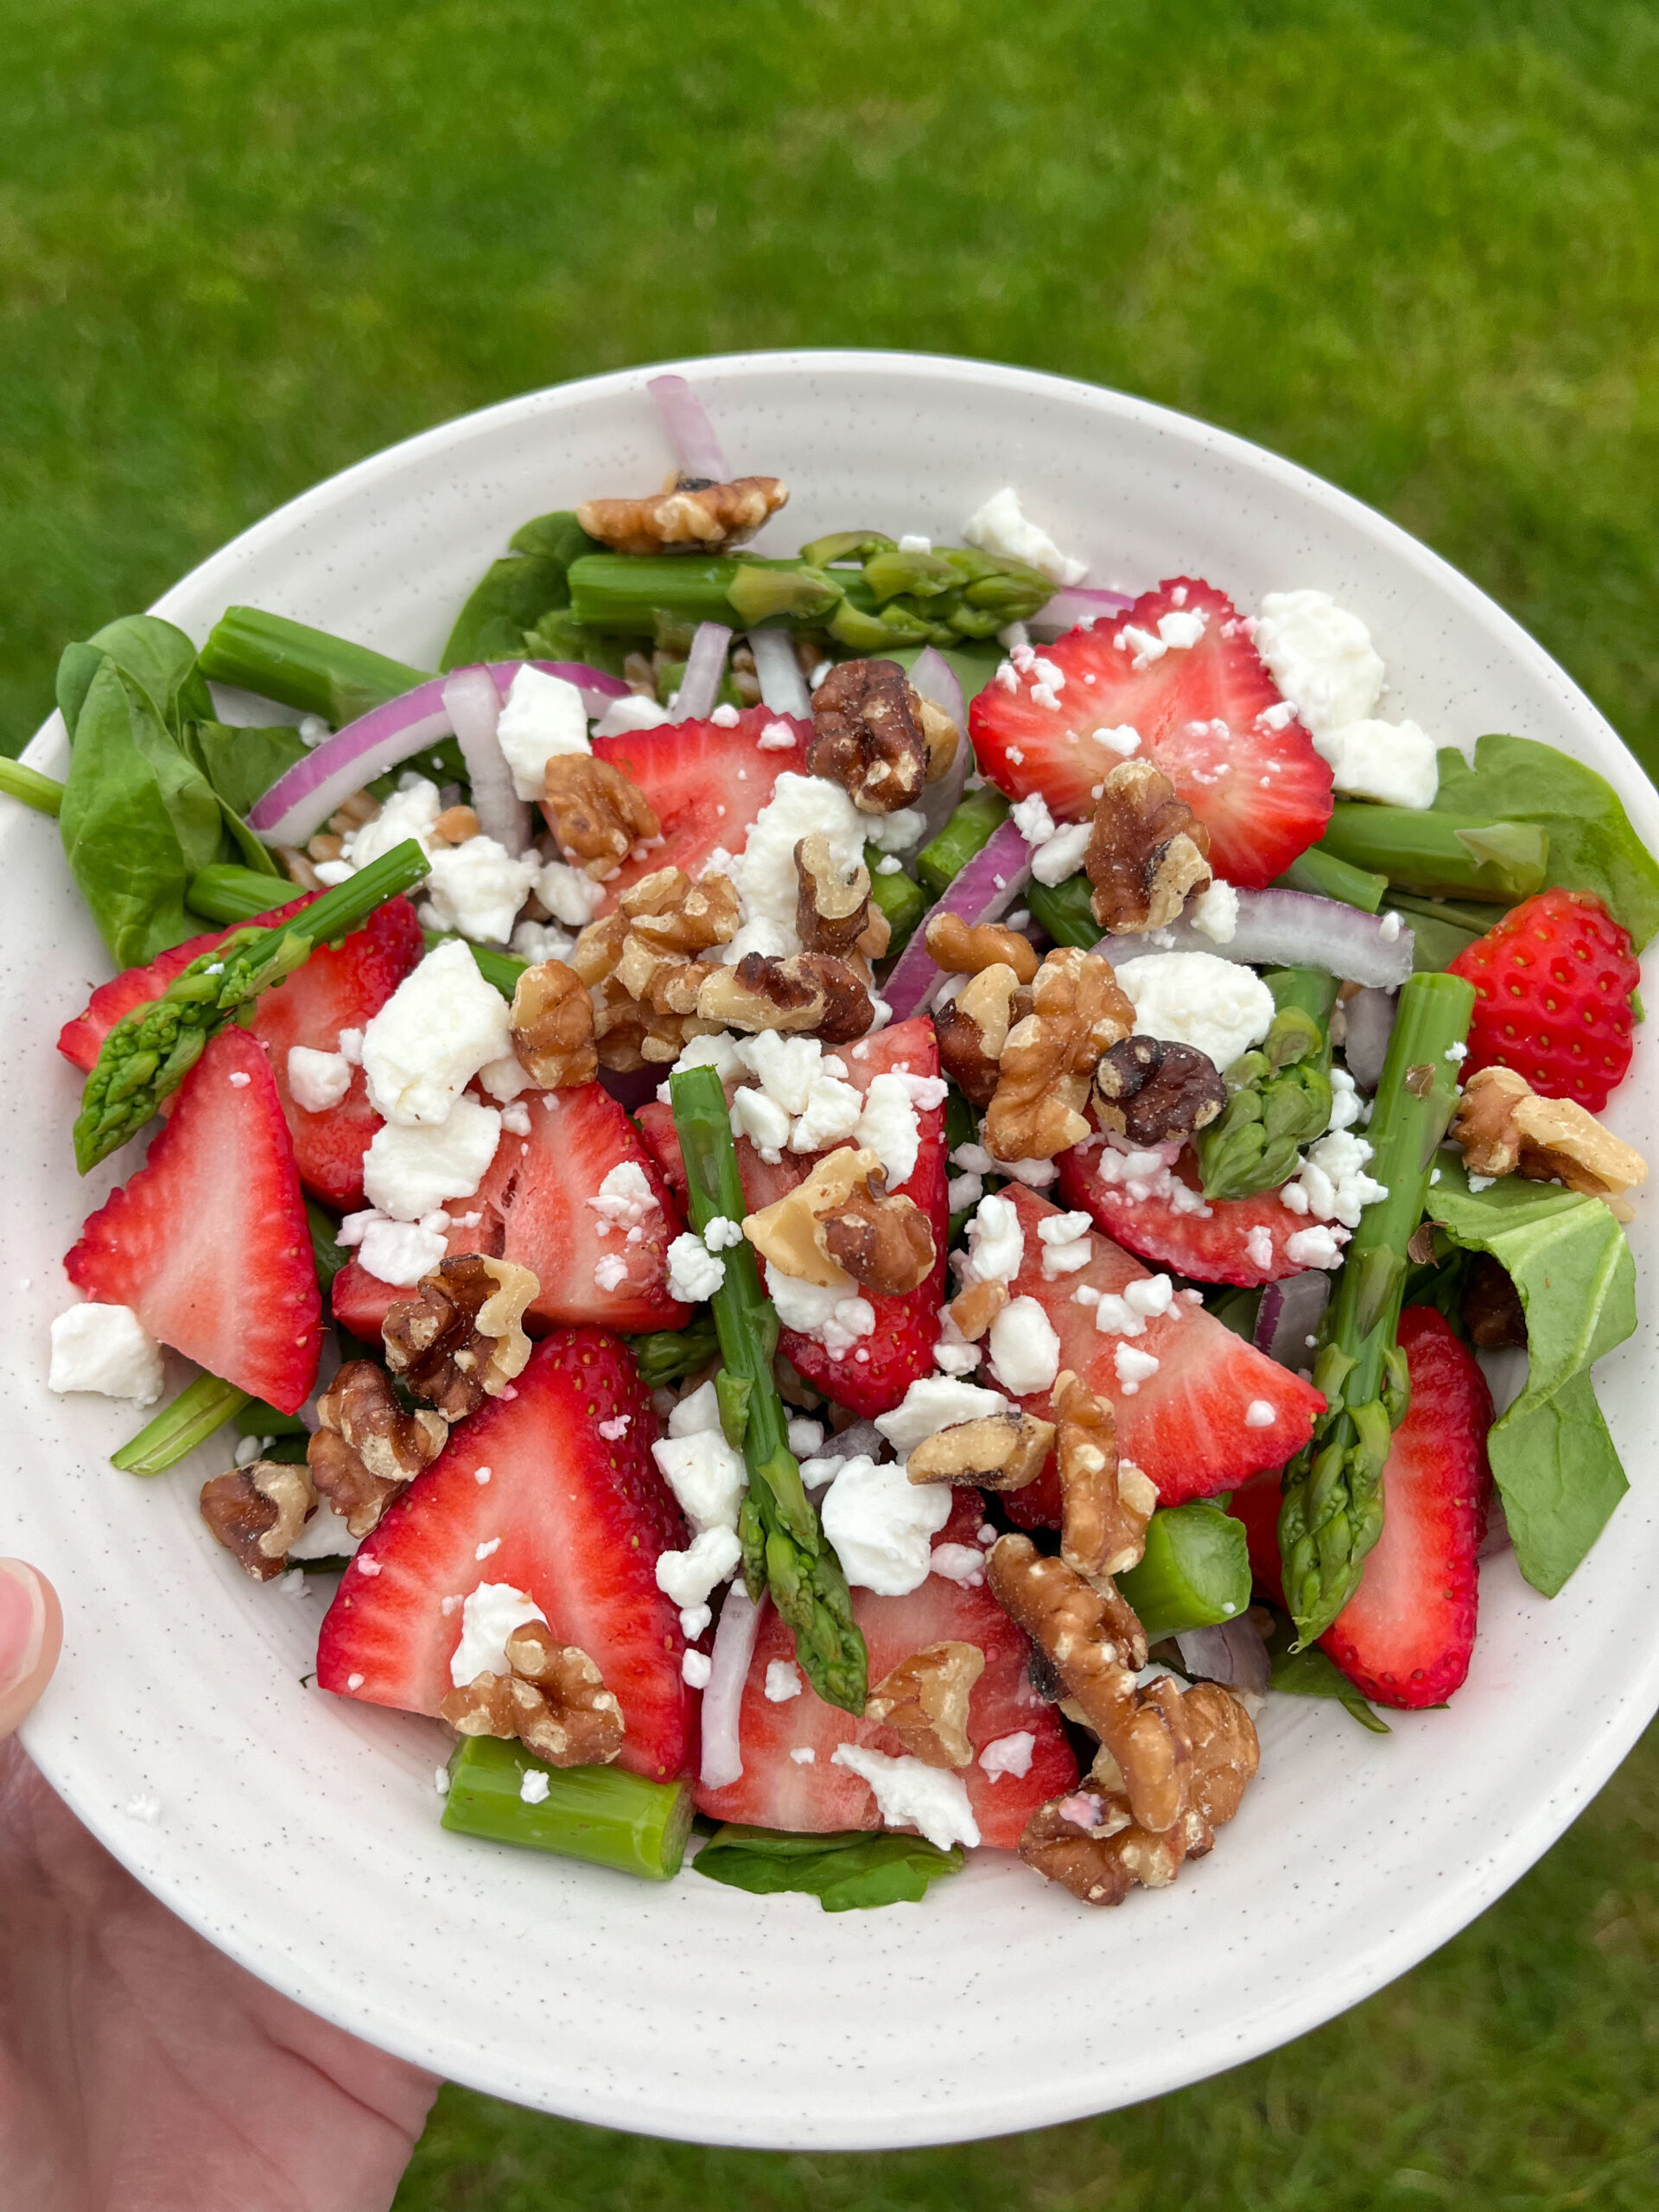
199	1409
301	667
1278	1094
624	593
329	1256
783	1547
42	792
1196	1573
1328	877
602	1814
669	1355
1439	855
899	898
150	1051
942	860
1332	1510
1064	910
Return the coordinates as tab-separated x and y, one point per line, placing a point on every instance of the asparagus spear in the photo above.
1196	1573
942	860
301	667
199	1409
602	1814
1328	877
1439	855
1279	1094
1333	1508
149	1052
669	1355
900	897
42	792
1064	910
783	1547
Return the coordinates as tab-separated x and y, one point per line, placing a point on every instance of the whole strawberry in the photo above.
1553	982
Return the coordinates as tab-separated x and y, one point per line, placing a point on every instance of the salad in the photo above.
852	1198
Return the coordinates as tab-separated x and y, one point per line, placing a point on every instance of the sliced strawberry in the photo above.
532	1207
79	1040
1188	1425
208	1242
875	1376
1256	1505
1263	793
577	1522
706	782
814	1796
339	986
1231	1240
1404	1638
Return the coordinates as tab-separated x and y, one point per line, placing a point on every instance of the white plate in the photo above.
300	1833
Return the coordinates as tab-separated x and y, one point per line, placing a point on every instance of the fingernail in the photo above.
22	1621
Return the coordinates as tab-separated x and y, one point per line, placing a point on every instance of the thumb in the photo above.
31	1633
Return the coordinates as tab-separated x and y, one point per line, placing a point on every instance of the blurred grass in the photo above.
1411	243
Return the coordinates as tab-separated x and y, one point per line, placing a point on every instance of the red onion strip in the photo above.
783	688
723	1697
691	434
1234	1654
704	666
1368	1019
1080	604
307	793
1290	1312
1292	929
932	675
983	892
473	705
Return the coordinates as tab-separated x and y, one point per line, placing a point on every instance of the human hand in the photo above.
140	2071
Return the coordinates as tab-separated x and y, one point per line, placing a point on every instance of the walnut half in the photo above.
596	814
553	1027
366	1447
804	991
554	1701
996	1452
923	1700
1105	1503
1078	1012
839	1227
459	1341
1506	1129
869	736
1152	1093
1146	851
694	515
832	906
973	1027
965	950
257	1511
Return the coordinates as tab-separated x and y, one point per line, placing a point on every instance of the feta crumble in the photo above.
625	1199
1009	1755
1025	1351
1000	527
881	1525
783	1682
1395	763
706	1475
478	887
963	1564
488	1617
1321	657
1134	1367
695	1669
693	1272
106	1349
317	1081
910	1795
1258	1413
1215	912
686	1578
410	1170
837	1318
439	1027
1220	1006
933	1402
543	716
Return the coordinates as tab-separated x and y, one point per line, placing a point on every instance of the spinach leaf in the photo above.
1591	844
1552	1459
159	659
514	593
242	765
851	1872
1314	1673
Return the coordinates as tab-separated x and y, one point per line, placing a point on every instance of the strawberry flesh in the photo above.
1553	982
1234	1240
79	1040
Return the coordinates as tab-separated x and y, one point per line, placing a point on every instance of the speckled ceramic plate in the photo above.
300	1833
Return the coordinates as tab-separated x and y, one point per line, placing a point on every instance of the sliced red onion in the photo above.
1291	928
783	688
704	666
722	1696
307	793
1497	1537
935	678
1080	603
473	706
632	1088
1368	1019
983	892
863	1439
1290	1312
1234	1654
691	434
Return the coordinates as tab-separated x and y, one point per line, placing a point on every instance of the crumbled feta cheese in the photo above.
1321	657
610	1272
836	1320
830	1115
686	1578
783	1682
705	1474
535	1786
488	1617
963	1191
1009	1755
804	1436
317	1081
538	941
804	1755
1134	1367
888	1124
1347	1107
410	811
1062	854
999	527
349	1045
1332	1185
325	1535
933	1402
762	1121
569	895
764	873
963	1564
106	1349
409	1171
911	542
889	864
1393	762
1476	1183
478	887
1216	912
693	1272
239	1081
622	716
1025	1352
996	1244
1033	819
1258	1248
398	1252
697	1411
695	1670
785	1067
775	737
722	1233
515	1118
896	832
1219	1006
909	1794
1064	1239
1314	1247
625	1199
505	1078
1456	1053
543	716
883	1525
614	1430
1259	1414
439	1027
1125	738
952	1353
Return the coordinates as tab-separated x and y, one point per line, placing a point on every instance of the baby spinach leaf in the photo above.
1591	844
1312	1673
850	1872
514	593
242	765
1552	1459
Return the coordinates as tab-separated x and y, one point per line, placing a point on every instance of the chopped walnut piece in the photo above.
597	814
1505	1128
366	1447
628	1035
671	920
1046	1065
1146	851
805	991
1091	1845
962	950
973	1027
1151	1092
553	1027
869	737
458	1341
694	515
1226	1752
257	1511
839	1227
972	1310
995	1452
1492	1308
941	735
1105	1503
833	912
554	1701
456	826
923	1700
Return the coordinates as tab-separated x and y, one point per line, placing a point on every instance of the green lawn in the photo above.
1412	242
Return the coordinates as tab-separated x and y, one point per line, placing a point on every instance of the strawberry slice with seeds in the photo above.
706	780
1206	712
1404	1638
528	1492
207	1242
79	1040
777	1790
1218	1240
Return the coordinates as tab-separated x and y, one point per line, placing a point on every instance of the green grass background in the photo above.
1411	243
